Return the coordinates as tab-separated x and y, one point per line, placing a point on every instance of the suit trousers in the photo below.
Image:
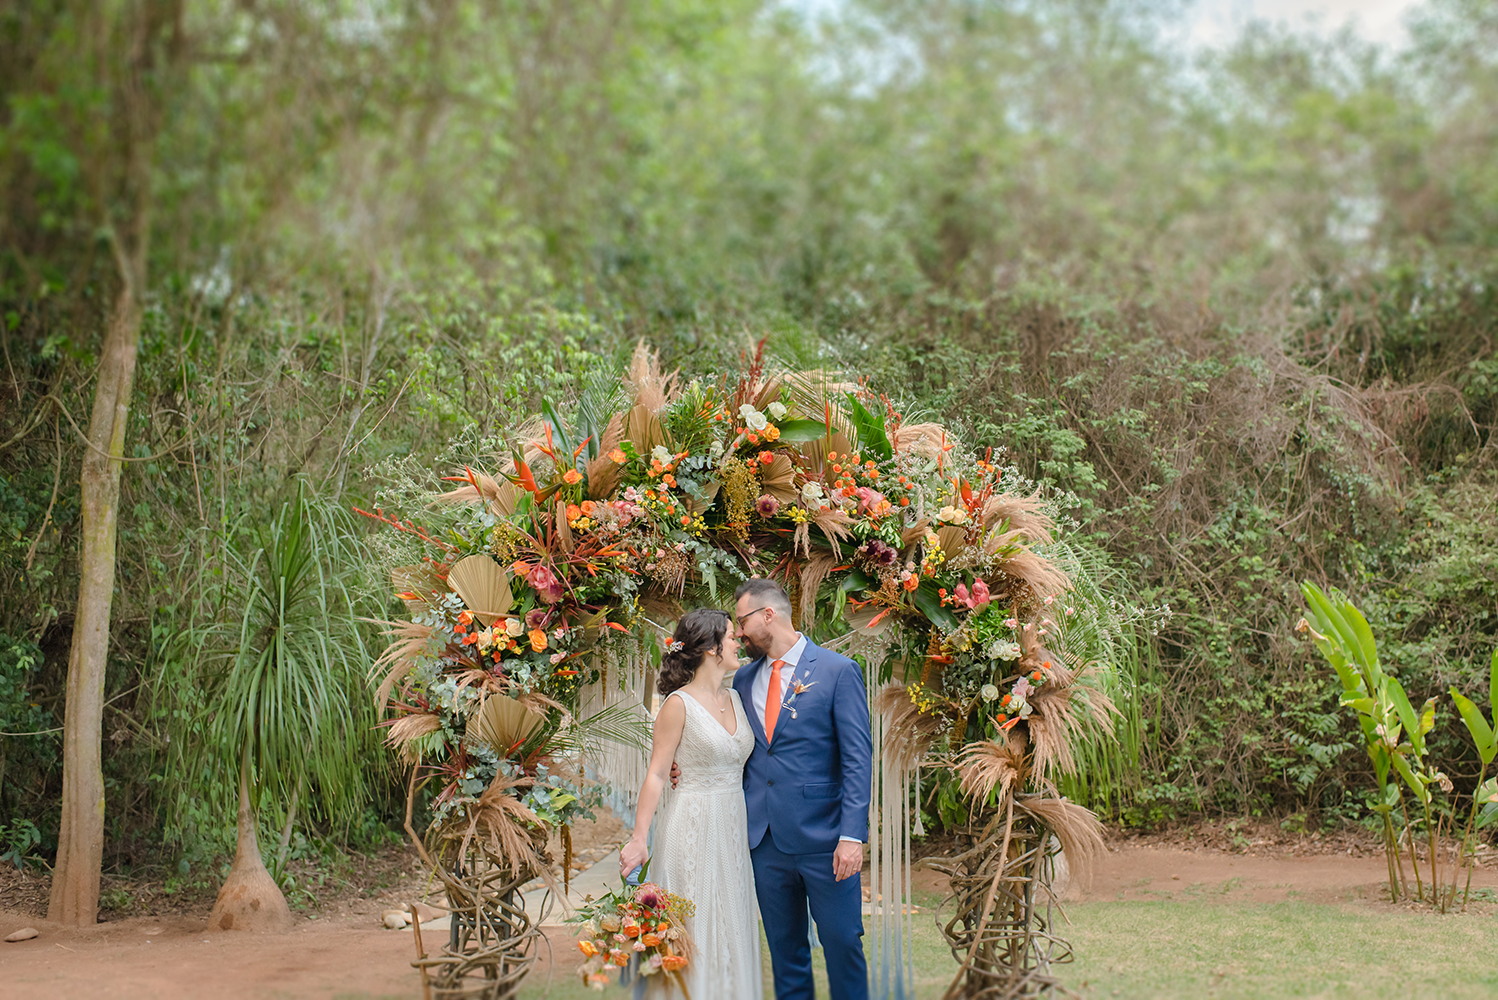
787	884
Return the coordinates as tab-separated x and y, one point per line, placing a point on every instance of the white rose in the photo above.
661	455
753	419
777	410
715	450
514	627
989	692
811	493
953	515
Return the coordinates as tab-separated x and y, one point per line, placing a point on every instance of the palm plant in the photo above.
286	660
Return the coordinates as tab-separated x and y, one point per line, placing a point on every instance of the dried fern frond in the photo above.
409	641
909	733
506	823
1078	829
406	730
988	765
1023	514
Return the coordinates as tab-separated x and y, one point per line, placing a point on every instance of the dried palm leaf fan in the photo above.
484	587
504	723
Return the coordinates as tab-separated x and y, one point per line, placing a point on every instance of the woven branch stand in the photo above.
1000	933
492	942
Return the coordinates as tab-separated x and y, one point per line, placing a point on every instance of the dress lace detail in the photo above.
702	853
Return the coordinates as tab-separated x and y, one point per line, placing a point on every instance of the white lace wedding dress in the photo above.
702	853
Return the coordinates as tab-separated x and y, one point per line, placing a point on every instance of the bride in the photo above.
702	846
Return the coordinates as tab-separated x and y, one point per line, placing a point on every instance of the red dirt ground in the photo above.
341	951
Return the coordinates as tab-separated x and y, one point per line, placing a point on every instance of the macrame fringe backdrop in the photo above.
627	676
891	974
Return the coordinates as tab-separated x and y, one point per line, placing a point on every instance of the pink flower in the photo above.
981	596
548	587
650	895
962	597
767	506
868	498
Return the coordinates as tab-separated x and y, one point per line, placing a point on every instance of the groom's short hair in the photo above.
766	592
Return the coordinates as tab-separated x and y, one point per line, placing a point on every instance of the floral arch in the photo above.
518	680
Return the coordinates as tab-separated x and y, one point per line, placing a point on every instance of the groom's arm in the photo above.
850	718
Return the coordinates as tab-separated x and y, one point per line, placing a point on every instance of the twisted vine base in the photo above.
1000	933
492	942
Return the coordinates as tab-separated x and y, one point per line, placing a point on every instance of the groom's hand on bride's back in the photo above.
675	774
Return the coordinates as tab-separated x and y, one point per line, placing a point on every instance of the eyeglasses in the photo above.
746	614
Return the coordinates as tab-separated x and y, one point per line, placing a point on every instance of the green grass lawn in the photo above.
1228	950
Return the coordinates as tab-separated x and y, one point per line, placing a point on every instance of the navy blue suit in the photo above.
804	791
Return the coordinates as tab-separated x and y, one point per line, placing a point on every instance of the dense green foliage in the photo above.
1239	307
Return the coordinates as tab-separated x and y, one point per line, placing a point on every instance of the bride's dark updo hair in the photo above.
699	632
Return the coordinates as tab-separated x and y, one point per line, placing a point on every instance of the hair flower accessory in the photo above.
674	646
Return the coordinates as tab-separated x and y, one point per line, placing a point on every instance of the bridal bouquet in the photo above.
640	928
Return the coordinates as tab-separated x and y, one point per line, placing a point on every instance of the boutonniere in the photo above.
796	690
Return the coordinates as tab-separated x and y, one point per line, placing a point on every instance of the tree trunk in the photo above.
250	900
80	842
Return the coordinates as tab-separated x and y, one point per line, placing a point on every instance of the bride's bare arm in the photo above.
669	723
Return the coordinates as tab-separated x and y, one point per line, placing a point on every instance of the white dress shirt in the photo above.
759	691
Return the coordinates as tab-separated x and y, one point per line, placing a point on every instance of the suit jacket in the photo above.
812	785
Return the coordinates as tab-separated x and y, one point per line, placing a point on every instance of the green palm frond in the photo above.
622	725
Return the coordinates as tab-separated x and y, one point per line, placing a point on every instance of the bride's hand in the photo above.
631	856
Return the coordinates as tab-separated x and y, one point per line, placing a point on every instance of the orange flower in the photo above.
650	940
664	925
573	477
754	439
631	929
905	501
686	519
912	582
574	512
587	947
1036	677
669	480
766	458
521	567
538	639
1000	718
465	617
673	963
617	456
772	433
619	958
588	508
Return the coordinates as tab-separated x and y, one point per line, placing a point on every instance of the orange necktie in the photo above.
772	699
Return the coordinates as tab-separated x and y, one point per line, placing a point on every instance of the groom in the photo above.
807	787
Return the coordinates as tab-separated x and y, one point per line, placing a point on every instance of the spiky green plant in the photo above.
282	670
